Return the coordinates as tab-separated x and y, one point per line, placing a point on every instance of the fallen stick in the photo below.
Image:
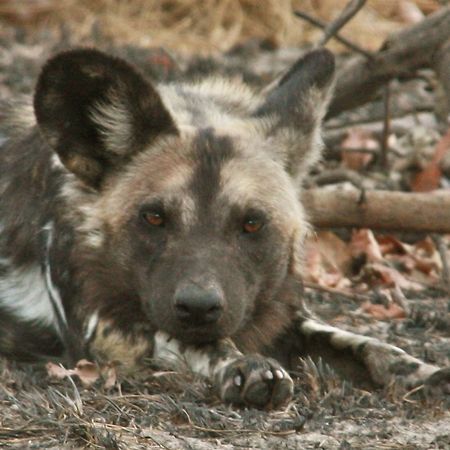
335	208
403	53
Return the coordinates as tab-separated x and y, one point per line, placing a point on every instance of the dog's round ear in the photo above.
295	106
97	111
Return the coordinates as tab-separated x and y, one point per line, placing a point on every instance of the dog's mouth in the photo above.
198	334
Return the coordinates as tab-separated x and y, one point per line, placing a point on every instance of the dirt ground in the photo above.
179	411
155	409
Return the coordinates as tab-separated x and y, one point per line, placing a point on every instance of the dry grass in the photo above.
180	411
174	411
141	410
206	26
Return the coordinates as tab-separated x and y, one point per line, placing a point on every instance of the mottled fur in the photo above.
142	221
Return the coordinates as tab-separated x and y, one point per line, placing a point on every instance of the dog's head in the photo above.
202	215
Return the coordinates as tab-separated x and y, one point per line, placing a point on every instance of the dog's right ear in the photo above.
96	111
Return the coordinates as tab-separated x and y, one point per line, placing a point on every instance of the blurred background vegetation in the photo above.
208	26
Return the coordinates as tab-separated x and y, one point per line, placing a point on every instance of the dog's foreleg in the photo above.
240	379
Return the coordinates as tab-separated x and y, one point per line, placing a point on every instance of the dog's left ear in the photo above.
97	111
294	109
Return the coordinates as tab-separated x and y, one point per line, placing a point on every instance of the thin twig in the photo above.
321	24
352	7
410	49
411	392
386	126
351	295
333	176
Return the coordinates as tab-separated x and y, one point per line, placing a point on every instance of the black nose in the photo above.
198	305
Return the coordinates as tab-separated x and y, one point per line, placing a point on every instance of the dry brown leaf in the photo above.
390	244
381	312
423	256
328	259
430	177
86	371
358	138
334	250
426	256
363	242
58	371
389	276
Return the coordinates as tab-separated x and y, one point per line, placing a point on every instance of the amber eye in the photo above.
154	219
252	225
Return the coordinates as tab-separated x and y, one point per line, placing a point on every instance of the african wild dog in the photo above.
164	221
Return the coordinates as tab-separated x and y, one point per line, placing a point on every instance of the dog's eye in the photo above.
155	219
252	225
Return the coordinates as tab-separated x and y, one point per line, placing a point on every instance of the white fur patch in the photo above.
198	361
168	350
55	298
114	120
231	93
55	162
341	339
91	326
23	292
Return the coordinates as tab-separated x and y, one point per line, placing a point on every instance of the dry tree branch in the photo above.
413	48
386	125
352	7
333	208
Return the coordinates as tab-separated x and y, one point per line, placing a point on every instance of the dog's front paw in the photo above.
254	380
